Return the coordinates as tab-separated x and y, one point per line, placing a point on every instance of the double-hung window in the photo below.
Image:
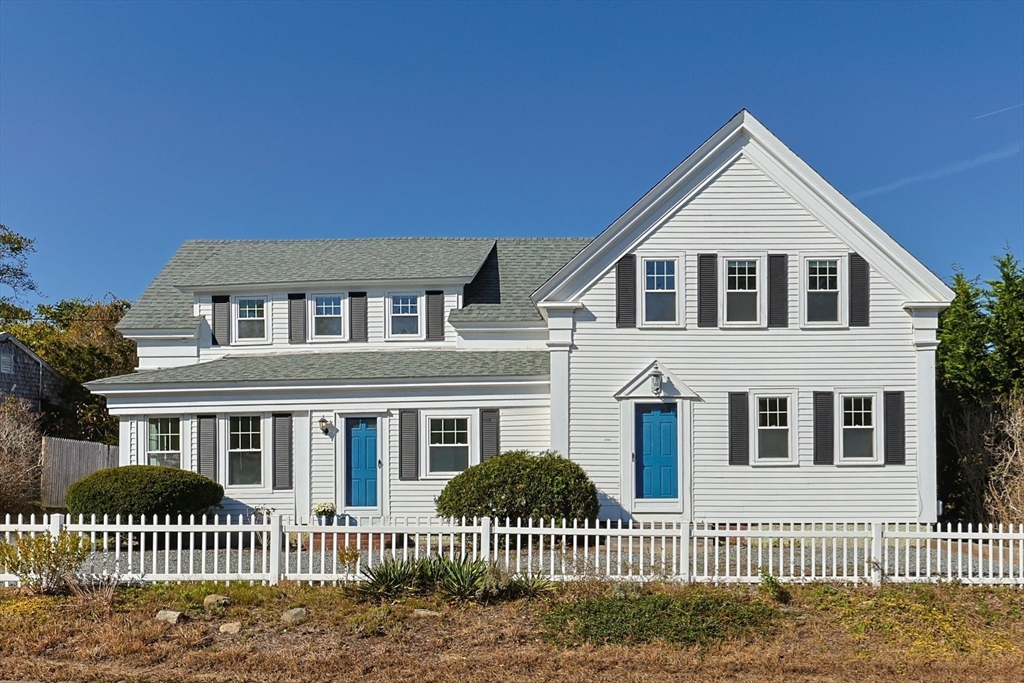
327	316
245	451
773	433
822	302
251	319
742	291
661	292
164	442
857	438
447	445
405	315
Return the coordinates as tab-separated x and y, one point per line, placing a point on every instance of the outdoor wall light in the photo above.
656	377
325	426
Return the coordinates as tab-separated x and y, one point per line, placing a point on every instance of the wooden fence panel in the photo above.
65	461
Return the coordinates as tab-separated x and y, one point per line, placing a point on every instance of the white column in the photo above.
124	441
560	329
926	324
302	427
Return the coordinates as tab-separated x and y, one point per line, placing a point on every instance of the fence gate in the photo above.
65	461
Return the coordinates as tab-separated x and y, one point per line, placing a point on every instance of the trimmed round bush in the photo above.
143	490
516	484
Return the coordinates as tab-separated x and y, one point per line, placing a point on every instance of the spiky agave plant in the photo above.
390	579
461	580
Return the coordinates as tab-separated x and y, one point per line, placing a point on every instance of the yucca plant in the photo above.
391	579
462	580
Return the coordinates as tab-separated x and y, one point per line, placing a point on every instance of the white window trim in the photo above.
876	418
472	416
311	335
793	397
680	321
844	294
420	314
235	340
182	465
762	287
223	457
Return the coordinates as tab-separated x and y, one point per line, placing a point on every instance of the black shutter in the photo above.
208	446
282	453
408	445
357	316
707	290
778	290
625	291
296	318
739	429
435	316
895	429
824	428
860	295
221	320
490	433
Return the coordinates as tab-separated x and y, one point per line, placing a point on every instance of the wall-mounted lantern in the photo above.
656	378
325	426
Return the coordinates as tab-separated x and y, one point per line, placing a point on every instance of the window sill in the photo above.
860	463
661	326
743	326
247	342
325	340
824	326
775	463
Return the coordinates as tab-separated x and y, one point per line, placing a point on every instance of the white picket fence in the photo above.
269	550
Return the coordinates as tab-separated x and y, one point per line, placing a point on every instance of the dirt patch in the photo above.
914	633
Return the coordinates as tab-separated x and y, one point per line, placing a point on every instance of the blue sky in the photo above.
126	129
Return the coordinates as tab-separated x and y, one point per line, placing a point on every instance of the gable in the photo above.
749	176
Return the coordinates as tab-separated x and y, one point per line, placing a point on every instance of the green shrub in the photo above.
143	490
44	564
517	485
694	616
458	580
773	587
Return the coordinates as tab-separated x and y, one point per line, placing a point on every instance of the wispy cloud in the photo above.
998	111
942	172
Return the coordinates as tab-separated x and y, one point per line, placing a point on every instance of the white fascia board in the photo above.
325	285
253	387
497	326
560	285
743	134
163	334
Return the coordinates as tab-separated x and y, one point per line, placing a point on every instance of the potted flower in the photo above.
325	512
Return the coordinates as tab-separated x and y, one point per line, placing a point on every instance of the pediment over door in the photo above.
642	385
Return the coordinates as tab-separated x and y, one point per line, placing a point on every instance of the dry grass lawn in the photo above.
914	633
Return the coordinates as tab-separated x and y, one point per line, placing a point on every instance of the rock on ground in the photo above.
296	615
170	616
231	628
212	601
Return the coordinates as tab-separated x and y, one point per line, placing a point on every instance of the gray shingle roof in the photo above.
513	271
504	272
345	366
256	262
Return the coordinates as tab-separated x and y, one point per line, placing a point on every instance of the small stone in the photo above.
170	616
425	613
212	601
231	628
296	615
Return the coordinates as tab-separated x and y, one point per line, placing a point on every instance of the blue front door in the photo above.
657	459
361	462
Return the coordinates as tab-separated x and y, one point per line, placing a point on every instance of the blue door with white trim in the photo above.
361	462
657	451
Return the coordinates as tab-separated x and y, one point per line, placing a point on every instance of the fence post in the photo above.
876	553
485	538
276	538
684	552
56	525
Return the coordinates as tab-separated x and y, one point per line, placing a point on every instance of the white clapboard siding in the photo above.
743	210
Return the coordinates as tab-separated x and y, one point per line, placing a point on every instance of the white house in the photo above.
741	344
